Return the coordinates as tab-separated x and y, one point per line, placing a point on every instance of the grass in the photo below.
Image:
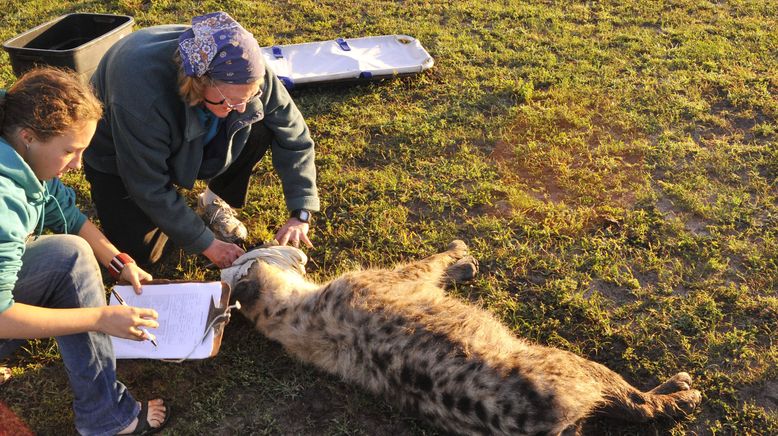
612	165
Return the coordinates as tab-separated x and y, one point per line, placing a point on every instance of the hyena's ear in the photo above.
247	287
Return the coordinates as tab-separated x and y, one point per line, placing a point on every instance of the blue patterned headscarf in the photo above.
220	47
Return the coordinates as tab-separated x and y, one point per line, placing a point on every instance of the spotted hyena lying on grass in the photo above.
396	333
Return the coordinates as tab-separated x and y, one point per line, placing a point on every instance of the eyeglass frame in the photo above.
225	100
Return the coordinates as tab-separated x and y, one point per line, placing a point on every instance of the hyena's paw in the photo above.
684	402
679	382
465	269
457	249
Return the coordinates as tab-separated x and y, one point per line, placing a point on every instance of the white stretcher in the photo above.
367	58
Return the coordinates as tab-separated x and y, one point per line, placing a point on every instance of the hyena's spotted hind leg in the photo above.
463	270
679	382
434	267
673	398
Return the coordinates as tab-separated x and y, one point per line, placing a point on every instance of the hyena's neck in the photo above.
284	288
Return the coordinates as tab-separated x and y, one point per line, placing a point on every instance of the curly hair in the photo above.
49	102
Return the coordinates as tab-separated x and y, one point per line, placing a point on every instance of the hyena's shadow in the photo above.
396	333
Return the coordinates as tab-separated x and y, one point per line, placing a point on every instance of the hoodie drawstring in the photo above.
46	197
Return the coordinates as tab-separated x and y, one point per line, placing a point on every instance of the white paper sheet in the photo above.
183	314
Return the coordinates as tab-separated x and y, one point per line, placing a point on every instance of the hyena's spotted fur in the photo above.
396	333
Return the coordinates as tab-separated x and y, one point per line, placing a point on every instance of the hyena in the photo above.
397	334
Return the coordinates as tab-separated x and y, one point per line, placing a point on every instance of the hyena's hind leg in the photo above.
433	268
679	382
673	398
463	270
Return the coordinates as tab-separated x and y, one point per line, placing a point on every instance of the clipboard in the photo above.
184	320
217	311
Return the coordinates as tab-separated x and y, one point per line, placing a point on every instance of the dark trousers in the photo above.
133	232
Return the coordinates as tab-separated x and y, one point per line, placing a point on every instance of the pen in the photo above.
121	301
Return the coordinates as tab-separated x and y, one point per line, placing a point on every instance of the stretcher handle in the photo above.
343	44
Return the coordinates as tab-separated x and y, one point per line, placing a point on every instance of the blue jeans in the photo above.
61	271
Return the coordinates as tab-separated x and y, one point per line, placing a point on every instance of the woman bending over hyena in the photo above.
396	333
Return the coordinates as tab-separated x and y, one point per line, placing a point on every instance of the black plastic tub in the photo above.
76	41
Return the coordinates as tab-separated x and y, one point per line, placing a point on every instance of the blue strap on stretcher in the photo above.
277	52
287	81
343	44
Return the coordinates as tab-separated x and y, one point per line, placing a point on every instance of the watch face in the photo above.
304	215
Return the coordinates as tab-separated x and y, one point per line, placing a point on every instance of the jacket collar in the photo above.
193	128
235	120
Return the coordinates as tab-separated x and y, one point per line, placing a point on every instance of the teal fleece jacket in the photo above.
27	205
154	141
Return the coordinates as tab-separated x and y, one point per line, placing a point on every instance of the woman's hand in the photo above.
134	275
126	321
293	232
222	254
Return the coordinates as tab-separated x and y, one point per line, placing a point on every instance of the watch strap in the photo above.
118	263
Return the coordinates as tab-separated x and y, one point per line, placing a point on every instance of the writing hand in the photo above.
127	321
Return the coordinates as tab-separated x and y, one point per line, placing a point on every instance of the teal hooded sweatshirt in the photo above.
27	206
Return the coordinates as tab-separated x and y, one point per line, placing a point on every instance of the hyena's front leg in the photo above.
434	268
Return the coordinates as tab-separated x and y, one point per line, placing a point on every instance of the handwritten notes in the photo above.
183	317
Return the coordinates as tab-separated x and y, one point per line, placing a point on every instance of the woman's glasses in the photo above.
232	106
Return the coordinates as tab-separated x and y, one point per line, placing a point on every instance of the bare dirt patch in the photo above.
576	156
619	295
694	224
764	395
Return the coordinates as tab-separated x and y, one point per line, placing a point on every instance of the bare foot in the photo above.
155	416
5	374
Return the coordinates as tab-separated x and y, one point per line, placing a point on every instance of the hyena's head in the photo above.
265	274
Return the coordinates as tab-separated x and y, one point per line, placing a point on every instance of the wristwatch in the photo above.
303	215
